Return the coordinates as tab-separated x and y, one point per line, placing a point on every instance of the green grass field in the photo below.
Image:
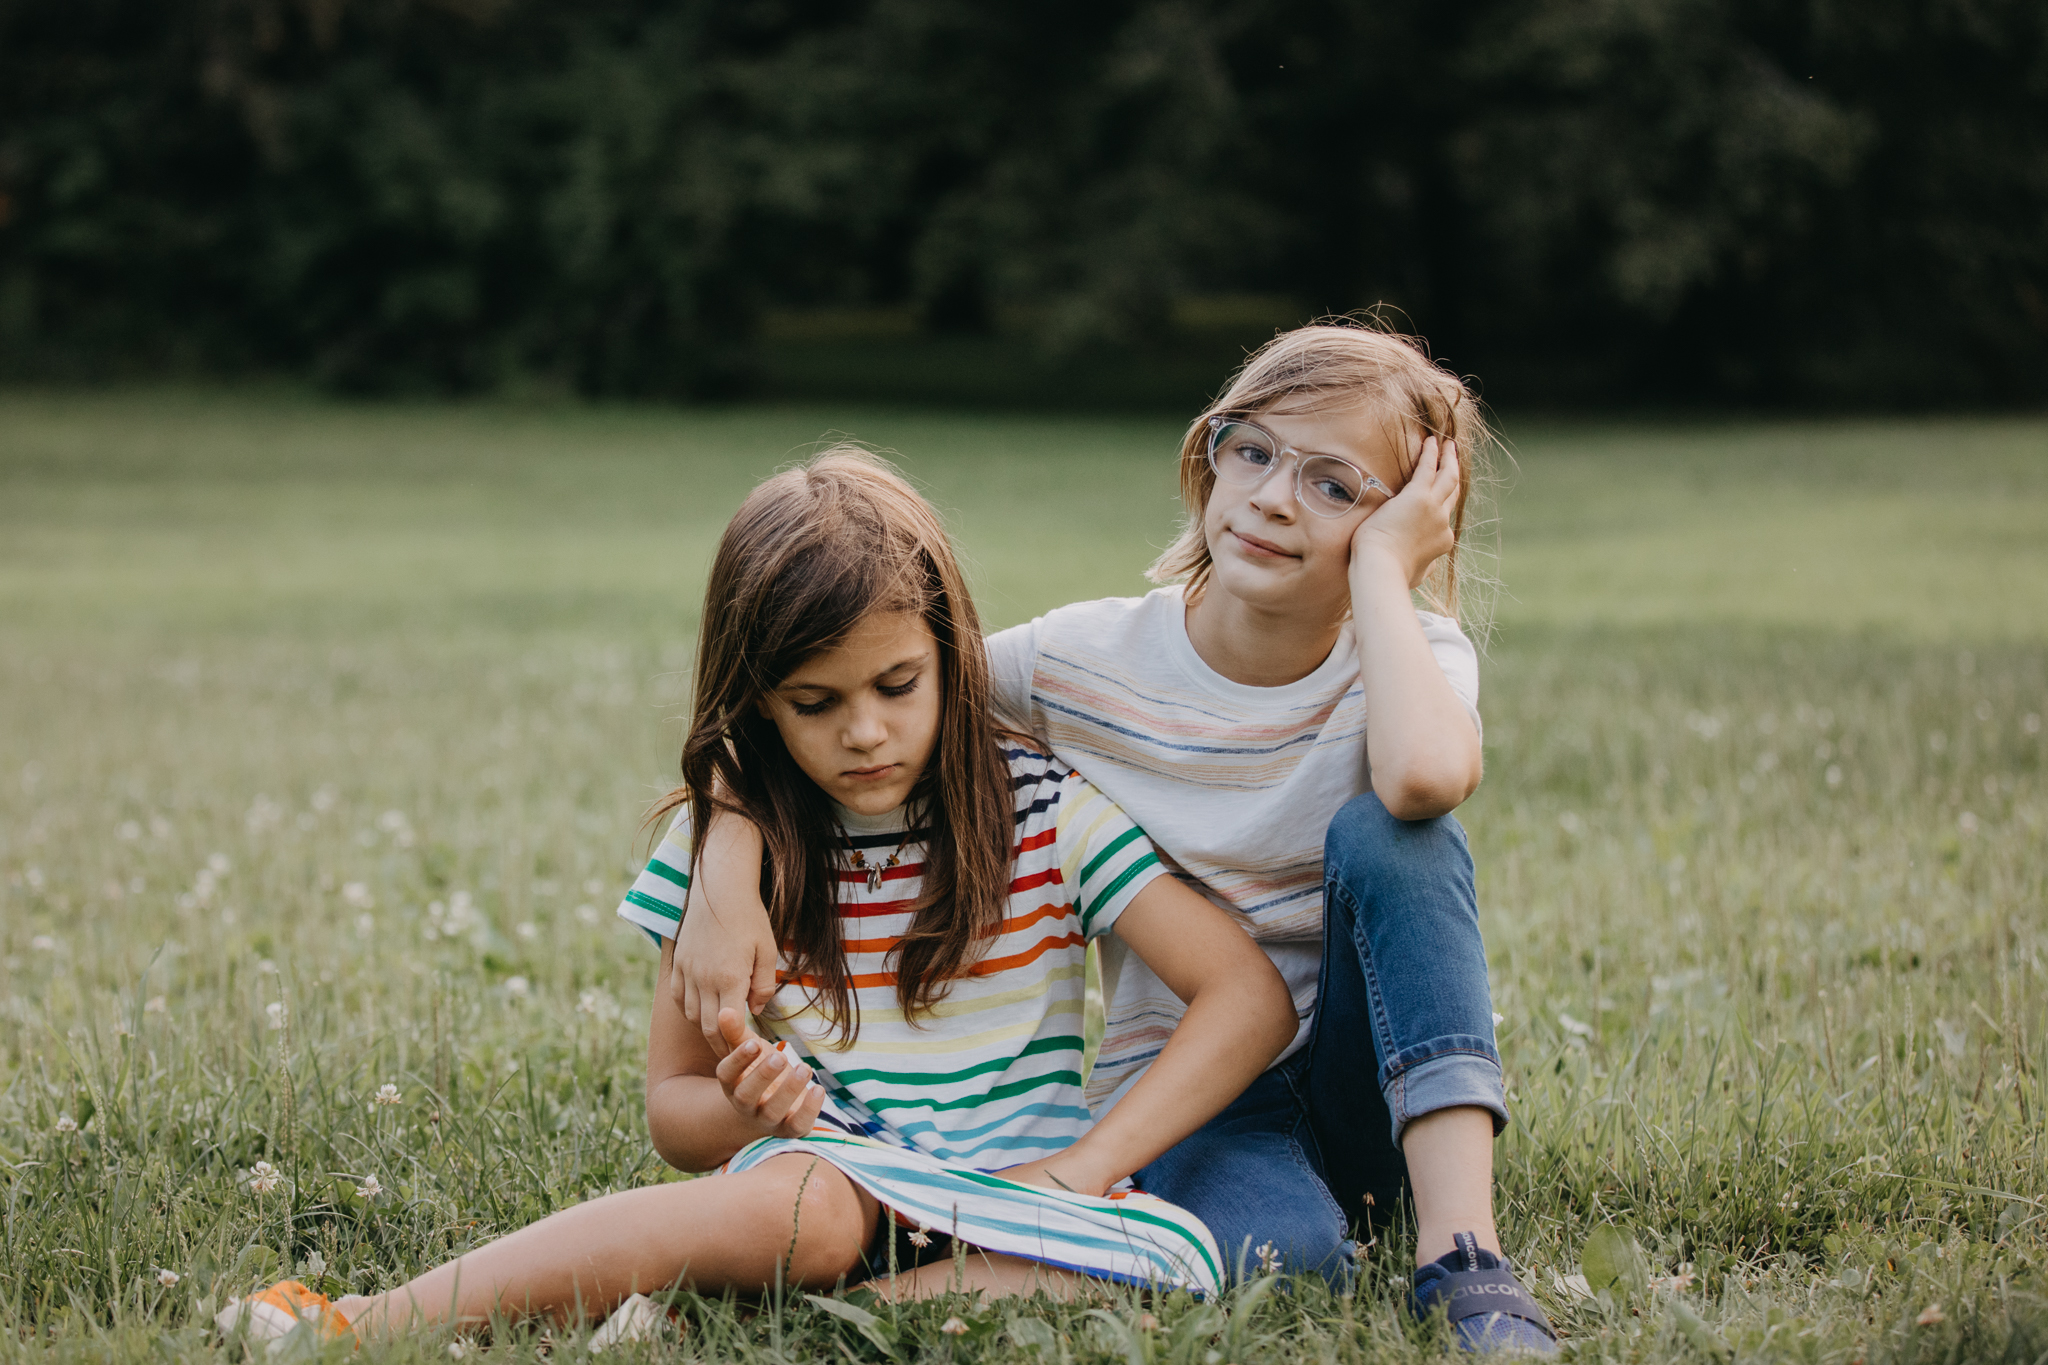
325	732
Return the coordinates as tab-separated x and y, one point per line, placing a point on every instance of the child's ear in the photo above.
761	705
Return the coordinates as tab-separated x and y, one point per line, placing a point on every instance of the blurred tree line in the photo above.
1774	201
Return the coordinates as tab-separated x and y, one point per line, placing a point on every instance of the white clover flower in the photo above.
516	987
1148	1323
953	1327
121	1030
276	1014
922	1237
43	943
528	930
357	894
1269	1258
586	914
266	967
263	1178
130	830
369	1189
167	1278
366	924
217	864
1576	1027
35	878
387	1093
155	1005
66	1124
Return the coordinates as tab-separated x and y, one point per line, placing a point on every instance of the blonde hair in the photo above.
1342	362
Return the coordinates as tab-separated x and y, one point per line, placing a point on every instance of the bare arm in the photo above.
701	1108
724	949
1425	751
1238	1019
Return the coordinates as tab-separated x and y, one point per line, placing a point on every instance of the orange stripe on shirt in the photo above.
986	967
1008	926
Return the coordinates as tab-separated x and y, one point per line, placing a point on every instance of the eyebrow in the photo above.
914	661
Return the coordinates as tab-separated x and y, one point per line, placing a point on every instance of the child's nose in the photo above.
1274	494
865	728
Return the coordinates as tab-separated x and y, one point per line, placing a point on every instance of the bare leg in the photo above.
713	1233
1450	1172
984	1272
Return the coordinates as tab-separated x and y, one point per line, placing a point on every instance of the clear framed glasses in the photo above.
1243	452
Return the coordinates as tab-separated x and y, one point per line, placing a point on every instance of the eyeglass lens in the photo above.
1245	454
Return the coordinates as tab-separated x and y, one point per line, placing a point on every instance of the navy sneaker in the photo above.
1487	1306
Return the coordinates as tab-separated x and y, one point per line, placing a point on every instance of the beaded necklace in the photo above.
875	870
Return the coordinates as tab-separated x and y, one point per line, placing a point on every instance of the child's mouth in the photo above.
1260	549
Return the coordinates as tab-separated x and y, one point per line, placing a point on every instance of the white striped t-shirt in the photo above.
992	1075
1235	785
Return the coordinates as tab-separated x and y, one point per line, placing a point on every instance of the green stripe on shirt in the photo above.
1115	846
1001	1092
667	873
1062	1043
1109	892
647	902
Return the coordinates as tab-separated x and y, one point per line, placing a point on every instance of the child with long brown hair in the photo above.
934	883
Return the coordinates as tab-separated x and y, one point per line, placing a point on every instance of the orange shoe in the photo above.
282	1309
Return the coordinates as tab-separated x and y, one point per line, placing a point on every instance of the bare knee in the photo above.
822	1220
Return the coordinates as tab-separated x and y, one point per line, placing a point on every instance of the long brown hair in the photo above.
1341	362
811	552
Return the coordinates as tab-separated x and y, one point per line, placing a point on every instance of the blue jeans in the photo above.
1310	1149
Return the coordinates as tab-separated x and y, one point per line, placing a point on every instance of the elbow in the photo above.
671	1136
1423	792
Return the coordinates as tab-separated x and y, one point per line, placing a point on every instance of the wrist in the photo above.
1375	564
1076	1172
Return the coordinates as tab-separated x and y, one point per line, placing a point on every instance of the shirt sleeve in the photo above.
1457	658
656	901
1105	859
1012	659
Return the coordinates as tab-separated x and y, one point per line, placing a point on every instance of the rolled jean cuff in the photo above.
1449	1080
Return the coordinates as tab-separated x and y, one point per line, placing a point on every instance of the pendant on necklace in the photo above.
874	870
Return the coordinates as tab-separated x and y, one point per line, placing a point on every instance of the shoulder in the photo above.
1128	635
1034	773
1109	618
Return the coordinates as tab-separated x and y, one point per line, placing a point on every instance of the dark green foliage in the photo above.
1579	199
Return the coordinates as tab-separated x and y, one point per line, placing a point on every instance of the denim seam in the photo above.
1322	1185
1383	1027
1409	1060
